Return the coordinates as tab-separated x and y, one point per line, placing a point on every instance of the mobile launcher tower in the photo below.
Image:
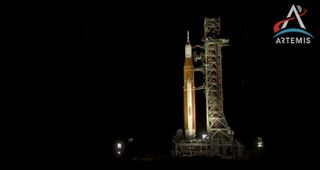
219	141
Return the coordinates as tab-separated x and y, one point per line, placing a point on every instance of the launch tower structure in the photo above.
218	130
219	141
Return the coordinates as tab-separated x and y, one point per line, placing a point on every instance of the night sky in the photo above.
120	74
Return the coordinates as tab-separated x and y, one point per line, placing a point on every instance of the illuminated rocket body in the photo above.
189	94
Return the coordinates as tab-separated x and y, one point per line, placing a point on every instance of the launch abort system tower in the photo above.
219	141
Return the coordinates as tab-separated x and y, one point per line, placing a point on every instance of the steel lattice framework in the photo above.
217	127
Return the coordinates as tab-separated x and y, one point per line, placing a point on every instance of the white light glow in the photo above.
260	144
119	145
204	136
119	152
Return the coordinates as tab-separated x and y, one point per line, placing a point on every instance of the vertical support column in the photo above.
217	127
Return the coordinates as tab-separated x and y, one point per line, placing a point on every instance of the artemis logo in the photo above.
303	36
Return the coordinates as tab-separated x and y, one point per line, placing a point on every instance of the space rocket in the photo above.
189	93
